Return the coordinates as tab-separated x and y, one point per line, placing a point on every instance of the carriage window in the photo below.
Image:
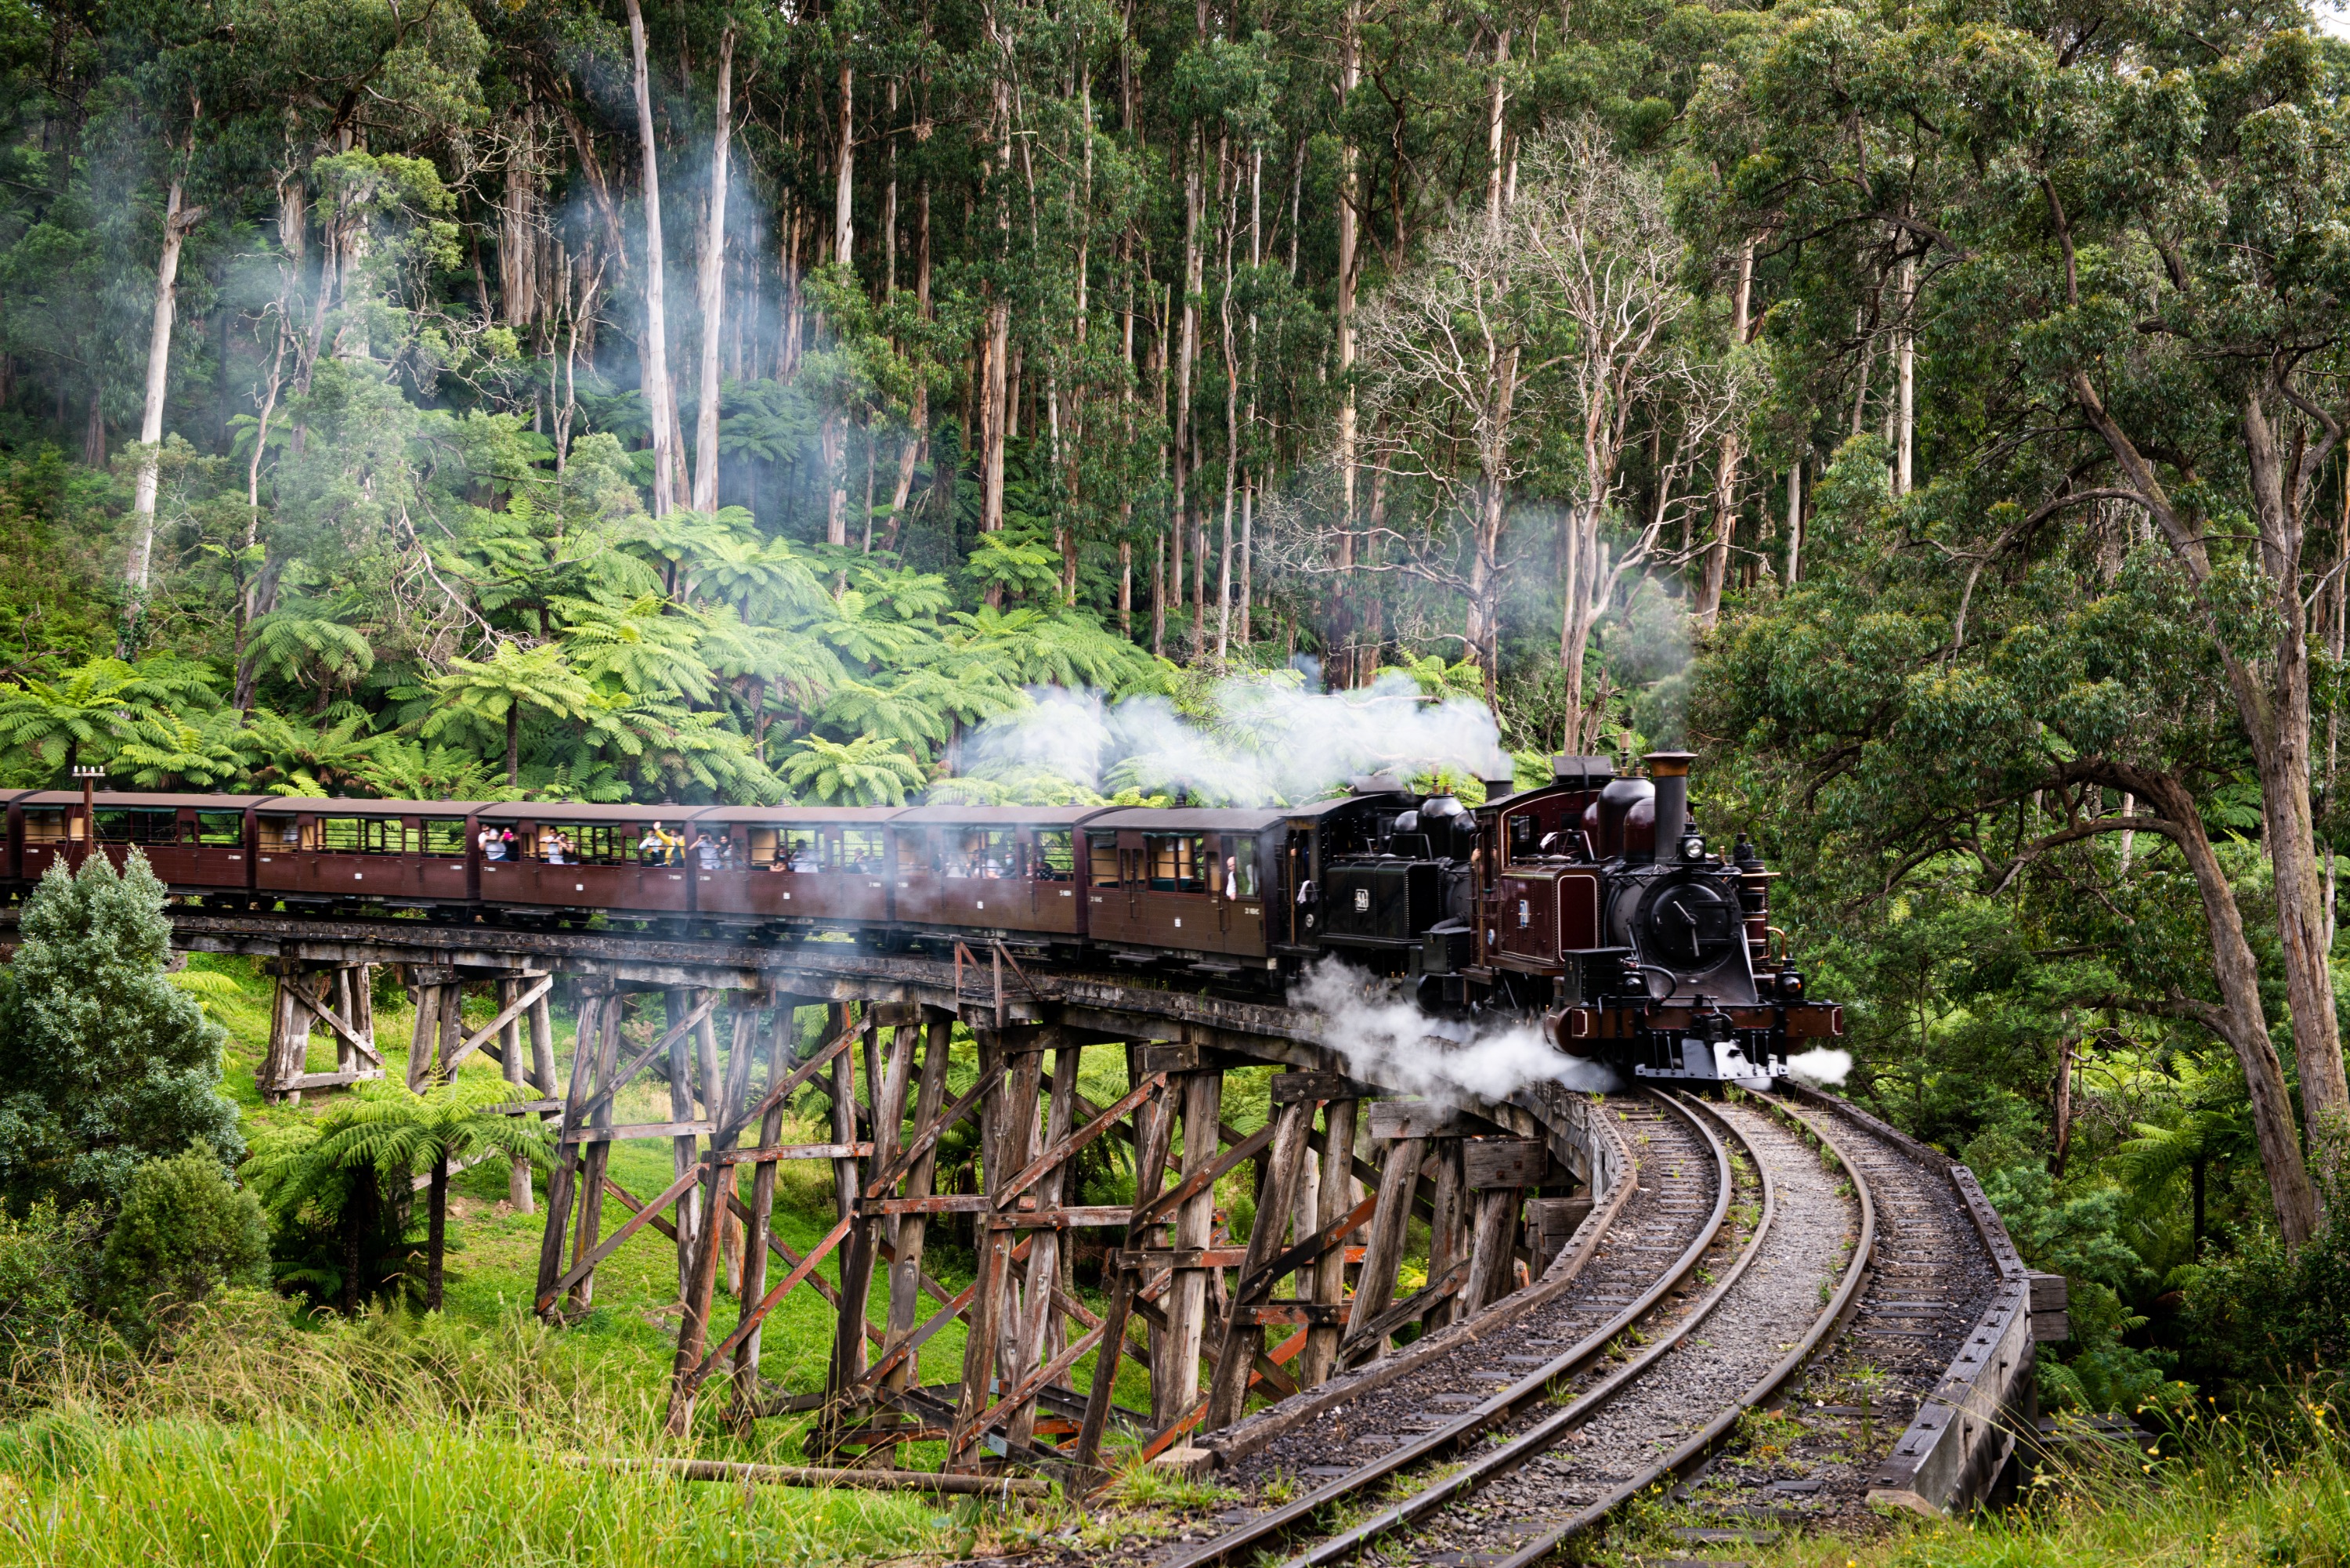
803	848
581	843
982	852
1176	862
444	836
221	829
1522	835
914	852
46	824
764	841
1057	858
1243	858
861	849
281	833
122	824
362	836
1102	859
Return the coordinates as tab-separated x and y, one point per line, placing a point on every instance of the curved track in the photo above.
1928	1285
1707	1291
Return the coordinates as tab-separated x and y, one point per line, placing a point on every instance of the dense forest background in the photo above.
1932	412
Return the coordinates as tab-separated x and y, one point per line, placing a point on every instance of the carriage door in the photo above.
1219	885
1132	870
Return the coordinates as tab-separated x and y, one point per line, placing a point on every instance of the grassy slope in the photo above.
437	1486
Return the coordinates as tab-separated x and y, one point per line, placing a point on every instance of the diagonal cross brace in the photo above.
506	1014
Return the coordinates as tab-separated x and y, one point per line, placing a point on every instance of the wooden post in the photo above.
780	1038
1039	1338
518	1192
1444	1229
1492	1249
595	1155
542	1043
1175	1384
913	1230
1153	1124
1012	1105
426	1028
561	1181
1245	1340
1330	1270
722	1092
889	1083
675	1005
453	1027
1390	1223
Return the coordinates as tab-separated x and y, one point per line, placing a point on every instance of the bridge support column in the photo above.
339	996
1446	1232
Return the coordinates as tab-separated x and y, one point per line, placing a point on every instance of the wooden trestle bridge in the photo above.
1507	1190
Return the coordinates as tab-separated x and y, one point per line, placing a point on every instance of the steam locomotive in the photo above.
1592	903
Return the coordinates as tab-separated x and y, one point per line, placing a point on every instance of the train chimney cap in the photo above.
1588	770
1670	764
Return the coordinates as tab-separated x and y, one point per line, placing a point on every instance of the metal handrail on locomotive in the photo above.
1554	903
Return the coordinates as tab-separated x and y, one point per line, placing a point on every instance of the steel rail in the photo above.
1704	1441
1539	1437
1526	1390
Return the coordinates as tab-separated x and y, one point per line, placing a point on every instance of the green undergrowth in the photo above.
2220	1493
398	1490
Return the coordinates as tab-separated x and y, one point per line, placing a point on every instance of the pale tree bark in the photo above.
661	396
1725	478
995	395
1906	384
835	435
2238	1018
1186	348
177	222
713	284
1343	325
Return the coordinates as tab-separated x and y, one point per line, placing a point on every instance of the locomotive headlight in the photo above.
1791	984
1693	847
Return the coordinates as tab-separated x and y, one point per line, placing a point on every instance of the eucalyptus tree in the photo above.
2123	230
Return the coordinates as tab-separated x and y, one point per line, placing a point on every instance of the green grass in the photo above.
269	1438
389	1492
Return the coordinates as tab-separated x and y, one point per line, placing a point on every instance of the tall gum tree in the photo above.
2131	224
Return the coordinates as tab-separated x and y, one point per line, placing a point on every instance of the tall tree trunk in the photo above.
2239	1018
176	225
1343	322
712	289
436	1233
1494	124
1186	349
661	398
1725	480
1905	383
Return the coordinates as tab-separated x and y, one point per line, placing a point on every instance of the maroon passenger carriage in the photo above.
1593	902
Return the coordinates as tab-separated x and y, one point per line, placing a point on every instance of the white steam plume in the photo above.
1821	1067
1387	1041
1269	743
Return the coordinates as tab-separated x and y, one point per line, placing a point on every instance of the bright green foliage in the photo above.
387	1131
867	771
183	1230
103	1061
48	1275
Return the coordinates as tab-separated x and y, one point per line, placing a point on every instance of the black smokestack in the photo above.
1670	772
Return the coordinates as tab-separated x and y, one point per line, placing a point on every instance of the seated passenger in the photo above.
652	847
492	846
706	850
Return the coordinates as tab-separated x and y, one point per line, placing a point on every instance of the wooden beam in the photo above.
506	1014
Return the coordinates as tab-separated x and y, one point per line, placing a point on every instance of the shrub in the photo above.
104	1064
46	1279
184	1231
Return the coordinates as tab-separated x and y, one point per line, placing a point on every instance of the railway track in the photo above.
1928	1285
1731	1260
